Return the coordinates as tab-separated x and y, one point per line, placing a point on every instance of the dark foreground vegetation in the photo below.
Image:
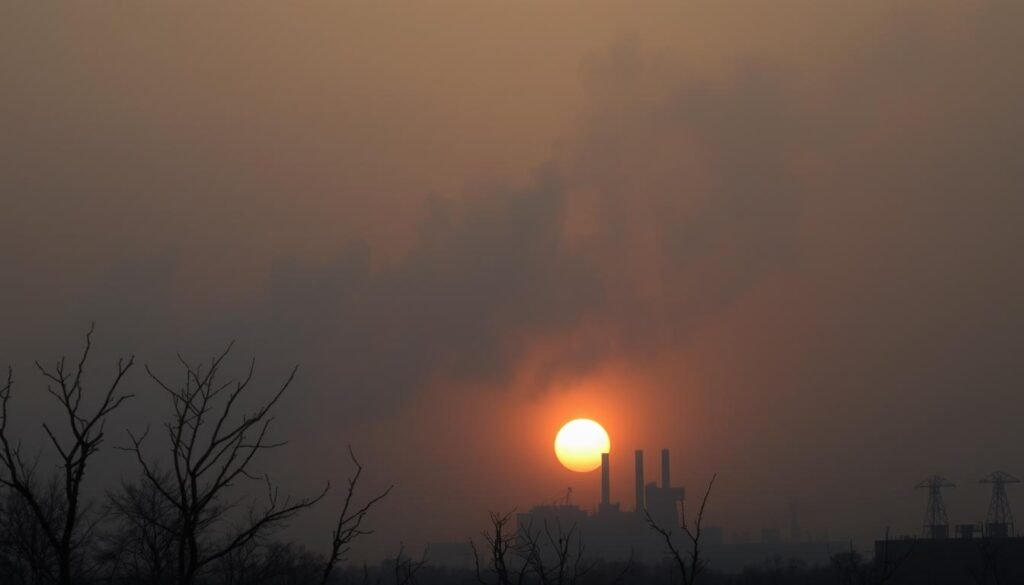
771	572
195	510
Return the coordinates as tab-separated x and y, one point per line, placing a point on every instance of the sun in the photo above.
580	443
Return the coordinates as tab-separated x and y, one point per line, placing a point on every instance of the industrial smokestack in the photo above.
606	496
639	480
665	473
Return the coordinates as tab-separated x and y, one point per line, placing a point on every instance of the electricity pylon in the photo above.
1000	518
936	523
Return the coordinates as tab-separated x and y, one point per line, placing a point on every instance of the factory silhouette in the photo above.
615	533
988	551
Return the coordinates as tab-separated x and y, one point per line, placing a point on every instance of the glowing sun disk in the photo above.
580	443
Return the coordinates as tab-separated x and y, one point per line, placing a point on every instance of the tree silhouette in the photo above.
350	520
689	563
57	508
211	447
554	556
140	547
501	547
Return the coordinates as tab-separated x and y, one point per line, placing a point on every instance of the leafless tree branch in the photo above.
64	531
689	563
350	520
212	446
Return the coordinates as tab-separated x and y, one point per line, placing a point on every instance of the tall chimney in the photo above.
606	497
665	481
639	480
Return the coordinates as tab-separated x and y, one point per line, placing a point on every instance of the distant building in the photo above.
612	534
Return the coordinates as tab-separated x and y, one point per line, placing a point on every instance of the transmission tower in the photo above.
936	523
1000	518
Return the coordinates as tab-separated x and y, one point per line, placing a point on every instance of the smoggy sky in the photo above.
781	238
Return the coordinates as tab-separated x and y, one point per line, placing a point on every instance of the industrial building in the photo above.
614	534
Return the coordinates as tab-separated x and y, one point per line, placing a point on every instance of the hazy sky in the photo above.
781	238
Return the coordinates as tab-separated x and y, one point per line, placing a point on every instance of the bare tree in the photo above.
366	576
689	563
211	447
406	567
140	547
350	520
61	514
555	557
500	544
25	554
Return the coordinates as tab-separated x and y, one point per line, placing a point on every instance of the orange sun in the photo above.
580	443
